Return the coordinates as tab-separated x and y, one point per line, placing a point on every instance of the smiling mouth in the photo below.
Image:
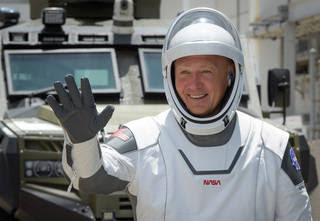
197	96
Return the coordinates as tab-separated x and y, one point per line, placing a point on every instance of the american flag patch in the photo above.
119	133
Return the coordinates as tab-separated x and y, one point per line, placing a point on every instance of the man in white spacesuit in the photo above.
200	160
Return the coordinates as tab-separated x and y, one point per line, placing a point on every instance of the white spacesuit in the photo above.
177	166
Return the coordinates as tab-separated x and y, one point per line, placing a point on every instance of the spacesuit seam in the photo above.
266	148
135	177
273	152
245	143
269	148
263	142
276	192
258	172
165	167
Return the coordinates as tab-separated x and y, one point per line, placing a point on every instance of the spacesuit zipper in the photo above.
74	174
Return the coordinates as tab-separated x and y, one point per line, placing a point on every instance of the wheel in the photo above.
4	216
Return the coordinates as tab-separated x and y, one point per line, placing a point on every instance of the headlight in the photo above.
108	216
58	170
43	169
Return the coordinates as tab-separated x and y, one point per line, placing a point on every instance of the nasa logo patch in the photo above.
294	159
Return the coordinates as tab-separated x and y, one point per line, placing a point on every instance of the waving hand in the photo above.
77	112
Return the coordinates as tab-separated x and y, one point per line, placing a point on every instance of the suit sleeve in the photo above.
104	168
67	162
292	202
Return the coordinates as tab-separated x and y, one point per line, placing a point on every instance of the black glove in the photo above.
77	112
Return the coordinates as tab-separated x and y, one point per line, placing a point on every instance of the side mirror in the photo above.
279	87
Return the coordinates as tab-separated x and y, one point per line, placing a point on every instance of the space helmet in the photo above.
202	31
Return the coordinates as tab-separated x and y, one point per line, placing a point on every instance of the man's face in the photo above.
201	82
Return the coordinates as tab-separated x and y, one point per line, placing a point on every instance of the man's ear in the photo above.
231	73
230	76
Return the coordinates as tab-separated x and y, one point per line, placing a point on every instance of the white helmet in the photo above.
202	31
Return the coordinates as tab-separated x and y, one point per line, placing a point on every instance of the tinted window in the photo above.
151	68
37	71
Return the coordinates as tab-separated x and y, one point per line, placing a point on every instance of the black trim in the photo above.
100	154
69	155
290	167
102	183
209	172
304	157
122	23
215	139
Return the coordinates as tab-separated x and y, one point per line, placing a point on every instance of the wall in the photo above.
240	19
170	8
268	54
269	8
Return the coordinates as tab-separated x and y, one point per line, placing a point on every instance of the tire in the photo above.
4	216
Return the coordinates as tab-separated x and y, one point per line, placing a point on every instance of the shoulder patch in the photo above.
122	140
291	166
121	134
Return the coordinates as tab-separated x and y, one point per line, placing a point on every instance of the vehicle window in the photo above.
29	71
150	61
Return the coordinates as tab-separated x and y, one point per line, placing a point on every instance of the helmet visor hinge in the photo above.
166	71
226	120
183	122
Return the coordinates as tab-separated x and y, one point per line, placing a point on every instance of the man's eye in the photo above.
206	71
184	72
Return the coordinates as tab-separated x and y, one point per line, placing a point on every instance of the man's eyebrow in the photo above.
208	65
211	66
183	65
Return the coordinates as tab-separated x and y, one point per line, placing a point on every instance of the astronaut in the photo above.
200	160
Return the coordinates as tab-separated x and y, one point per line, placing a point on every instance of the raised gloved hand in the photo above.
77	112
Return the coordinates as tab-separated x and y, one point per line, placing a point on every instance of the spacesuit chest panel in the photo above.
201	181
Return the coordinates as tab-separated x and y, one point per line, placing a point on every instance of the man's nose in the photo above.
196	80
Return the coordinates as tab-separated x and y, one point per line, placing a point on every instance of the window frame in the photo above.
144	73
8	73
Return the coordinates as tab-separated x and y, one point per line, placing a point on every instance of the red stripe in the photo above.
119	133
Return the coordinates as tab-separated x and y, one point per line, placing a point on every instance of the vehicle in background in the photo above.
117	46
